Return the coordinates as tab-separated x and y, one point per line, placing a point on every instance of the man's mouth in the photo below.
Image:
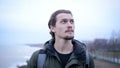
69	31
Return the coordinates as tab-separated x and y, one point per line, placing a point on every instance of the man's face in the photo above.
64	27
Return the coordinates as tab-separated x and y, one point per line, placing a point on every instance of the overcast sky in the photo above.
25	21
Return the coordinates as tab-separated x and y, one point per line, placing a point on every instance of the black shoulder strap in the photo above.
41	58
87	59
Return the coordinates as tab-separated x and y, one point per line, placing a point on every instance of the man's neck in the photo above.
63	46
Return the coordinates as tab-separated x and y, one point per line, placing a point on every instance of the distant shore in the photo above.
36	45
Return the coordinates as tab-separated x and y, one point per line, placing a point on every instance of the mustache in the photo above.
69	31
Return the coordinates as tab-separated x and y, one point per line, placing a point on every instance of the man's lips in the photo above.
69	31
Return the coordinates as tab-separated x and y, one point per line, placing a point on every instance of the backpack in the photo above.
42	57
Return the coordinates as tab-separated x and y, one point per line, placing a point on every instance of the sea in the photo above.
16	55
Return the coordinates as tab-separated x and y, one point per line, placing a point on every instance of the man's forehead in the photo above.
64	16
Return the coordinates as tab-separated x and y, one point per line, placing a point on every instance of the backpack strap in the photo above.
87	59
41	58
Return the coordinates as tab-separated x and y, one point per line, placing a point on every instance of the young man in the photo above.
62	51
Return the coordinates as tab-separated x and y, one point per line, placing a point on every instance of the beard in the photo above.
69	38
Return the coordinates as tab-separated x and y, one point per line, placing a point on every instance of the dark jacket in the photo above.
76	60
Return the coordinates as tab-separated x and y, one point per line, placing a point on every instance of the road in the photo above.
105	64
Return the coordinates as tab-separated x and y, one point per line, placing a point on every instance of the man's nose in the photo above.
69	24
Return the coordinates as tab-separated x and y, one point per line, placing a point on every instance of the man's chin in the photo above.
69	38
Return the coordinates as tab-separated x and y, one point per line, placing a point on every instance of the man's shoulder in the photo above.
38	51
79	44
35	54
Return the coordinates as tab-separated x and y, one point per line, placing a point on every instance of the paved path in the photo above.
105	64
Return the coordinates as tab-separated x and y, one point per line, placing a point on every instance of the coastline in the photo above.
12	56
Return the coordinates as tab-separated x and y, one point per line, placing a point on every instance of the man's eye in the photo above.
64	21
72	21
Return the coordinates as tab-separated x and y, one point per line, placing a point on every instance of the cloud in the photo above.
93	18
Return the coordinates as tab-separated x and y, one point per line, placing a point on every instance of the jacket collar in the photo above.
79	49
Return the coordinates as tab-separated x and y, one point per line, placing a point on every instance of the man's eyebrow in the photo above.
66	19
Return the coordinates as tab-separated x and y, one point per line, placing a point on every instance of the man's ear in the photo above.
52	28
